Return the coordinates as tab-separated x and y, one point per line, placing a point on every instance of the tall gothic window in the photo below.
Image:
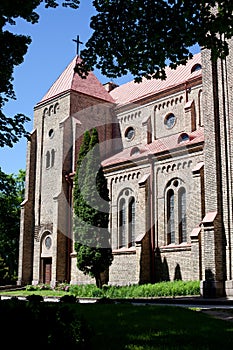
131	217
126	219
52	157
182	215
122	223
170	217
47	159
176	218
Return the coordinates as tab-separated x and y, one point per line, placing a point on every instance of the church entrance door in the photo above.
46	270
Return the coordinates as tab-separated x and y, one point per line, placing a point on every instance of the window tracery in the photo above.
126	219
176	219
50	159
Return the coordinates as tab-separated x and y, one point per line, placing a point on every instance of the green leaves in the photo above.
13	49
91	209
12	129
11	196
141	37
73	4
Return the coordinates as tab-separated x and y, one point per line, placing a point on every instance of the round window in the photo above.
129	133
48	242
170	120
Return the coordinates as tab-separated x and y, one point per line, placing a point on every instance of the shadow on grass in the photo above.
155	327
111	327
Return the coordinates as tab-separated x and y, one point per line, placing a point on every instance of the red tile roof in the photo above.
165	144
132	92
69	80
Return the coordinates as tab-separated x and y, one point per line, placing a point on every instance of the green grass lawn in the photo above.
44	293
118	326
161	289
125	326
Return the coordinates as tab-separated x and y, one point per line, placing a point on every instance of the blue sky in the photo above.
50	52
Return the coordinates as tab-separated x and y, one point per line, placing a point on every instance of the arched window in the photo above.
183	137
50	159
182	215
126	219
134	150
122	223
47	159
131	220
176	212
170	217
196	67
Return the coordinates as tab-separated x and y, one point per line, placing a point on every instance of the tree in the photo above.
143	36
136	36
84	148
13	49
91	209
11	195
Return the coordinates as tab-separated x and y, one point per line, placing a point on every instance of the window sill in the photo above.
175	247
124	250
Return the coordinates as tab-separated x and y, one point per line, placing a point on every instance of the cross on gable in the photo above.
78	42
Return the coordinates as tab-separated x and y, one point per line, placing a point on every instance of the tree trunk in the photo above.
98	281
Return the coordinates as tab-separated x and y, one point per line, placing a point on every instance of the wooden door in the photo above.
47	270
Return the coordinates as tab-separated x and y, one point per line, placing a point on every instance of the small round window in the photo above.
129	133
170	120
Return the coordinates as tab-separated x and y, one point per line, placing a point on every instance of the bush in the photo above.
34	298
62	286
162	289
41	286
68	299
86	291
57	324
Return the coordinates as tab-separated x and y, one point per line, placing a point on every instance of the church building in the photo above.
167	157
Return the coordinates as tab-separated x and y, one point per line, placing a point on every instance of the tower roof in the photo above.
71	81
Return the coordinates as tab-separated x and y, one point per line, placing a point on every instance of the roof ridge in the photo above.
131	91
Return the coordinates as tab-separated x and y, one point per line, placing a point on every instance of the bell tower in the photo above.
70	107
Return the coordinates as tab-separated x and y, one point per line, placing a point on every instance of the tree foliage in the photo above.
11	195
129	36
91	209
13	48
142	36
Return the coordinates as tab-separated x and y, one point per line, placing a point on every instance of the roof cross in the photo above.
78	42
